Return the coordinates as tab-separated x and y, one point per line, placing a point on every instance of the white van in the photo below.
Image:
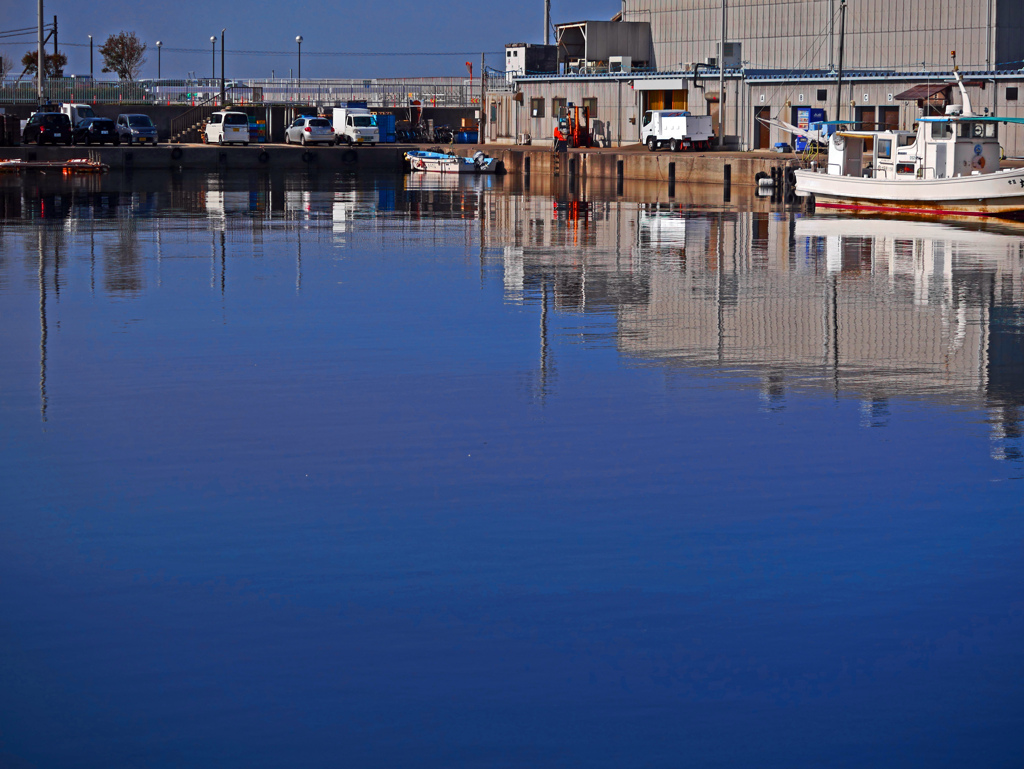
227	127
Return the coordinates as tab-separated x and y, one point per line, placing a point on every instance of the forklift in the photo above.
574	125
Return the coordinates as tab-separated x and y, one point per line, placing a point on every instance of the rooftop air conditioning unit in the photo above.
620	63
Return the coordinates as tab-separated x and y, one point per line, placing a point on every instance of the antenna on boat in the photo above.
965	108
842	37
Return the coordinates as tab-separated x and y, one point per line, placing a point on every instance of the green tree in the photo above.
53	63
123	54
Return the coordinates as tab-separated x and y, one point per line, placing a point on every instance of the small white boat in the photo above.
950	166
450	163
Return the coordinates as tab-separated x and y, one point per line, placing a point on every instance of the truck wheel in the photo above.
673	145
652	143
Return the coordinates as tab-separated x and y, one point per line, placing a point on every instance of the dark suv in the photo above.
50	127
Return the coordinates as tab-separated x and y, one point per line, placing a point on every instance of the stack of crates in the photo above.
257	130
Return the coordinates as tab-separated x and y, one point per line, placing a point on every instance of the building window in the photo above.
557	108
1011	93
591	106
822	94
536	108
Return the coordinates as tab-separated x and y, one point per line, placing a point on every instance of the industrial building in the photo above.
780	59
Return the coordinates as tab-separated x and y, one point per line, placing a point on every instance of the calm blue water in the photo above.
316	471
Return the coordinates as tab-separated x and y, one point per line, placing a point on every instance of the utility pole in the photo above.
721	84
90	56
547	22
41	55
483	98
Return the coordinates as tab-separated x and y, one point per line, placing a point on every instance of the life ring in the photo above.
263	157
978	161
421	164
307	157
176	153
348	157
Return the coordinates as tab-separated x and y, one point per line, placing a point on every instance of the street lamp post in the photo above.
158	45
213	57
90	57
298	39
222	68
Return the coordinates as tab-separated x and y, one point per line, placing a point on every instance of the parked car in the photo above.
227	127
45	127
309	130
96	130
137	128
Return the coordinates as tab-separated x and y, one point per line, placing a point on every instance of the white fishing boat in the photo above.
450	163
949	166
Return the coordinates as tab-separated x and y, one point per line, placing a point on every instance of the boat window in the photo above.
904	168
885	148
978	129
941	130
990	130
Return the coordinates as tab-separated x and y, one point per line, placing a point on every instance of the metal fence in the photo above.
376	92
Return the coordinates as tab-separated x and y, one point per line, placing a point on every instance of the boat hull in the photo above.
434	162
995	194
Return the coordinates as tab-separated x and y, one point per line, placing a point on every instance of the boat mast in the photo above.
842	36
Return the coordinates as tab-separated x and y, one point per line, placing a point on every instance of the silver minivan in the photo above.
136	129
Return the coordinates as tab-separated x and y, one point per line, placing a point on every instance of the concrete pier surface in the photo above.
627	163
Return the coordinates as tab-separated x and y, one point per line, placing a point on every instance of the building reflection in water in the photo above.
773	299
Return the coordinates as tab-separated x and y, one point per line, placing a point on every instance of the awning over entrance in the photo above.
926	91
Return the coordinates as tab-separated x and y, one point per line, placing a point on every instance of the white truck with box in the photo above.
77	112
355	125
676	128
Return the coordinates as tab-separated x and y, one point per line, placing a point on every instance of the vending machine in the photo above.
804	117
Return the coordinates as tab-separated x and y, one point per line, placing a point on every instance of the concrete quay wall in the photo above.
535	162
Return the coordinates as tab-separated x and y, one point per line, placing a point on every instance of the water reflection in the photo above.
875	309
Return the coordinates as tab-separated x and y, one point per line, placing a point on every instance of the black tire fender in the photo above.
263	157
176	153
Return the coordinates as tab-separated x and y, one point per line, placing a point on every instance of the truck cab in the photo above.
355	125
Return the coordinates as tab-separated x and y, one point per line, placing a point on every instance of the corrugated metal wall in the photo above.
803	34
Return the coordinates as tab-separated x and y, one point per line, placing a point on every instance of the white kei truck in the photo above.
77	112
355	125
677	129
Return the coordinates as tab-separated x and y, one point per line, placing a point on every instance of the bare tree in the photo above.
123	55
6	65
53	63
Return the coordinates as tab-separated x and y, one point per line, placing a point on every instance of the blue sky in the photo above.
459	28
